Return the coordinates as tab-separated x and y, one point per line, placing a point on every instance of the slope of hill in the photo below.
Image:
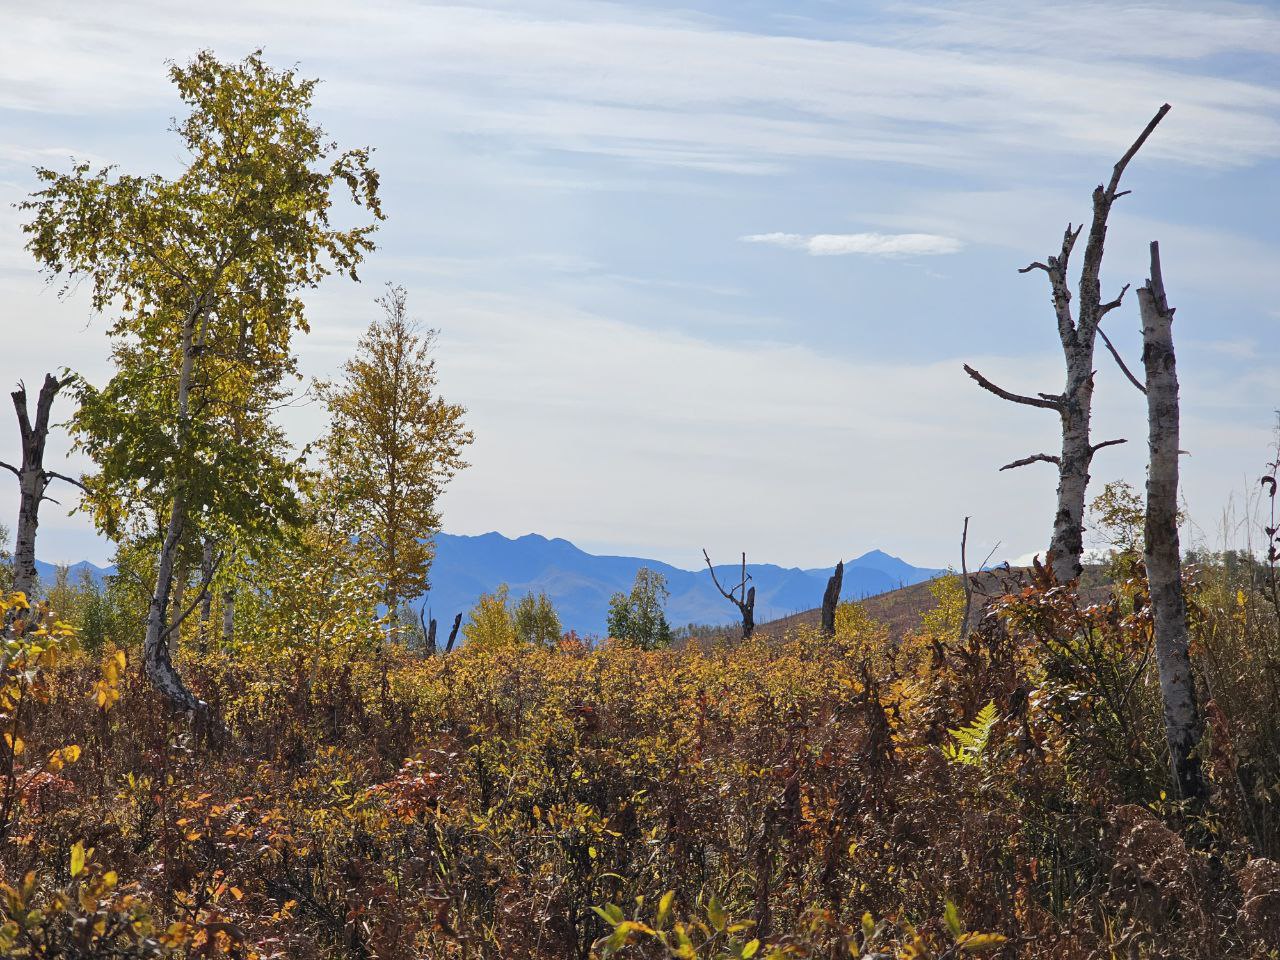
580	584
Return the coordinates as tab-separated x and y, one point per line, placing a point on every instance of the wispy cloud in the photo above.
868	244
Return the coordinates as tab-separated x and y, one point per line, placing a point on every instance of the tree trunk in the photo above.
431	638
1162	553
831	599
155	646
1066	546
206	599
33	479
228	615
453	634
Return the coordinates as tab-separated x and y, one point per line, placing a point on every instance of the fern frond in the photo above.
971	740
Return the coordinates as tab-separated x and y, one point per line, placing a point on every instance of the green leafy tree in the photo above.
491	623
536	621
207	272
639	618
392	445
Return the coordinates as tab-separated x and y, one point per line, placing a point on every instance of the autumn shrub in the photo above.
863	794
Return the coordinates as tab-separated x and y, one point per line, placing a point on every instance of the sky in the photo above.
705	274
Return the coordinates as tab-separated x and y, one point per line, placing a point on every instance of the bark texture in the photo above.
831	599
33	478
1162	550
1077	332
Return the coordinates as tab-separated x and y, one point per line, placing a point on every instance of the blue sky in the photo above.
705	275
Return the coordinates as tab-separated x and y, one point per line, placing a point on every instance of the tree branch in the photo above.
1003	394
12	469
54	475
1106	443
1129	154
1034	458
1116	354
728	596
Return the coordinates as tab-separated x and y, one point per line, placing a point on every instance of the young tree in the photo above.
638	618
206	271
33	478
536	621
491	623
1161	549
392	445
1078	334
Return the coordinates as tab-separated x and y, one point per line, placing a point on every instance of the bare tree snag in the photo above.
831	599
740	596
33	478
453	634
1078	335
431	638
1162	551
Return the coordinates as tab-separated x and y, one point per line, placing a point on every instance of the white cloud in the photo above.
665	88
870	244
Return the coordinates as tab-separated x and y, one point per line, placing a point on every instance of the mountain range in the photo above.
580	584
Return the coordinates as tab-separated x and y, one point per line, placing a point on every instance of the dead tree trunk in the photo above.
741	597
453	634
1162	551
1078	334
431	638
33	478
831	599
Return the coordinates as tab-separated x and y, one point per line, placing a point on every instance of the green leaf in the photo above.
716	914
952	918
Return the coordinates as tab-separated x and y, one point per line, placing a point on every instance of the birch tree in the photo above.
33	478
204	274
1161	548
1078	330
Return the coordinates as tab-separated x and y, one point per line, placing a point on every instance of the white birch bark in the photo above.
1162	551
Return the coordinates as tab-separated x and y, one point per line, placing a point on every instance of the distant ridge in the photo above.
580	584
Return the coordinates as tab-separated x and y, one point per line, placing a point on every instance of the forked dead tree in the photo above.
1162	551
831	599
740	596
33	478
1078	333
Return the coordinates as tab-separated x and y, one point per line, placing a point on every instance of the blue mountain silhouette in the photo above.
580	584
